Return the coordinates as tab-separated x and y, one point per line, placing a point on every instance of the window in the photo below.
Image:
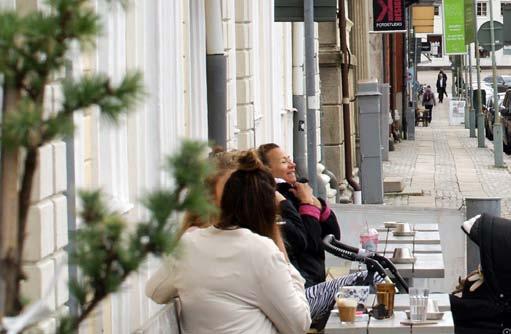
482	9
437	12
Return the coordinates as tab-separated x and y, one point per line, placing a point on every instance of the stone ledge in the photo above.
407	192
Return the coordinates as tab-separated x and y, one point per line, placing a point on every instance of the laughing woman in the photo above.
307	221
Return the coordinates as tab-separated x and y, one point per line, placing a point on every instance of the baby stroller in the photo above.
482	303
374	262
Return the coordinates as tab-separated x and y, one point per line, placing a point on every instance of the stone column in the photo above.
360	37
332	134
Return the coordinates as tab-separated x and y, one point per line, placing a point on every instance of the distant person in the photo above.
428	101
441	85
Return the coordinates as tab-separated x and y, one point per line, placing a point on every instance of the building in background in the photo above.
482	10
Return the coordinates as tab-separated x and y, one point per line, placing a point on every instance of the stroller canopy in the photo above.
493	236
487	309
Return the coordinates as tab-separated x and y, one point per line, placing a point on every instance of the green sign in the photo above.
470	26
454	27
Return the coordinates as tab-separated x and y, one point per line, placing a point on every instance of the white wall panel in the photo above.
198	113
113	153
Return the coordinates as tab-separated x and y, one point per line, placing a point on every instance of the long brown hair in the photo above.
248	200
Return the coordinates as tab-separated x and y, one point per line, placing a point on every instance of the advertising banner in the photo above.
454	27
470	27
389	15
456	112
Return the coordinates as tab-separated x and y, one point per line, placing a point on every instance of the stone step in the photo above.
392	184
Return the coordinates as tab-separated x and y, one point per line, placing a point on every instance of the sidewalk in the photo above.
446	165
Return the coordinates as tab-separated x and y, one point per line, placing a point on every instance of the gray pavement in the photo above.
446	165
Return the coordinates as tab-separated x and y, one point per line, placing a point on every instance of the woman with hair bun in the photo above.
234	276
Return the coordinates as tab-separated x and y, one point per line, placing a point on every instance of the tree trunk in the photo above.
9	208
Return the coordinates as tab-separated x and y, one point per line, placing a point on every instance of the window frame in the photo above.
482	8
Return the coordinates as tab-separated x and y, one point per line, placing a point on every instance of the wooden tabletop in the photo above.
425	266
389	326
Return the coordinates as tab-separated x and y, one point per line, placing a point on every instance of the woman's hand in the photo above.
304	194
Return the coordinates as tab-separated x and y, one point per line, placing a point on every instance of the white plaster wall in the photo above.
263	75
229	40
166	41
272	80
7	4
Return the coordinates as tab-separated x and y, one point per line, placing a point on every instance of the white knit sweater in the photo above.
232	281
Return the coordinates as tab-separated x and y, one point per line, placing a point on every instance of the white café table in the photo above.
421	237
425	266
389	326
418	248
402	301
401	304
416	227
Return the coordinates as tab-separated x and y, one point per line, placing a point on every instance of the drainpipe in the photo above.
216	74
346	98
299	100
404	97
312	101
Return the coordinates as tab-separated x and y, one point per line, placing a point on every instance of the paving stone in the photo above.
447	165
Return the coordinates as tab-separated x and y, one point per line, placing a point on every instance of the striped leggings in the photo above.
321	297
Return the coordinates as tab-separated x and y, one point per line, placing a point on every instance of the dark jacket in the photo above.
441	83
303	232
487	310
428	98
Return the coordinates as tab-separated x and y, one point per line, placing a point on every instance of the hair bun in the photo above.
249	161
216	150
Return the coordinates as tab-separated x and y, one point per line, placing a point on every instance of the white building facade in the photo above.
166	40
482	8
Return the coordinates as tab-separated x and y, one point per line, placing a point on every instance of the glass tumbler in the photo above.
418	303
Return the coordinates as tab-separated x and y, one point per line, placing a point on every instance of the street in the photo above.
446	165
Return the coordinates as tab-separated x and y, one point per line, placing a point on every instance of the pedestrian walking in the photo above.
441	84
428	101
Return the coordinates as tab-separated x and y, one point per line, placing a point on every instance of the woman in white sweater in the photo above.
234	277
